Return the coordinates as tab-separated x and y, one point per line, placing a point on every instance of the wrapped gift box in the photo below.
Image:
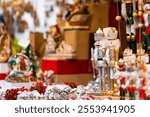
4	69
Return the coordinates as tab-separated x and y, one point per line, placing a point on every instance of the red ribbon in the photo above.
66	66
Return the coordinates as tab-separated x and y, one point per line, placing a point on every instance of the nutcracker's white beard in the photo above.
146	21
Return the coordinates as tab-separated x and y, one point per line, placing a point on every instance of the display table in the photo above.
8	85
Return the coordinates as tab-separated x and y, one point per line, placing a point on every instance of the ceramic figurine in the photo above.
50	46
65	48
77	14
54	31
4	44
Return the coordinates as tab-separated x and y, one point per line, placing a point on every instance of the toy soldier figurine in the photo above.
131	88
122	88
119	73
111	34
127	10
101	65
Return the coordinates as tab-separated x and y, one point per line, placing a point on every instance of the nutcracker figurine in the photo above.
146	35
146	14
131	88
111	34
127	9
98	36
119	73
101	66
122	89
